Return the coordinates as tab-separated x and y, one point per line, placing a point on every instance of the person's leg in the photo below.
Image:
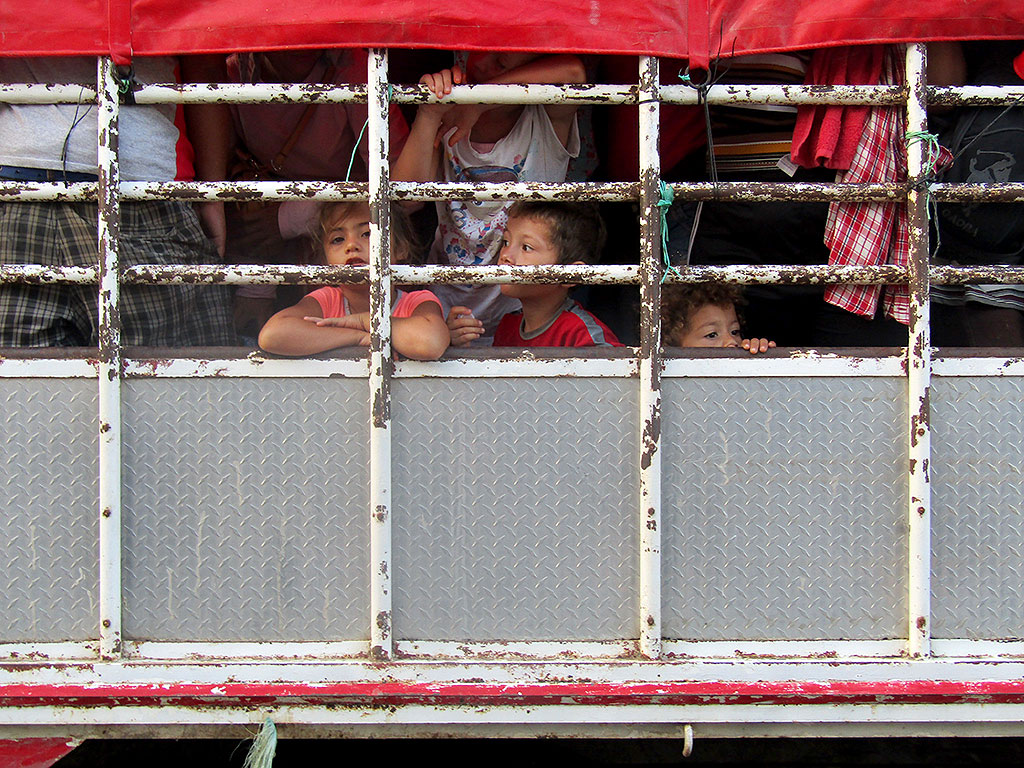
49	234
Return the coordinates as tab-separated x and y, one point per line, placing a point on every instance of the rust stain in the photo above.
922	622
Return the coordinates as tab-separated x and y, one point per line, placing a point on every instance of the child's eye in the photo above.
504	243
735	332
365	234
337	240
711	335
527	248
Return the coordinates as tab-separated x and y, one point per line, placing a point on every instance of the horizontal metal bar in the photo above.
243	274
811	274
255	365
973	95
519	93
604	274
995	192
787	94
251	93
764	191
243	190
994	363
283	652
25	192
36	274
723	363
610	191
1005	275
46	93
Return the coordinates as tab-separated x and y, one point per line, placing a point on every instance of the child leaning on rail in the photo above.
540	232
704	315
487	143
332	317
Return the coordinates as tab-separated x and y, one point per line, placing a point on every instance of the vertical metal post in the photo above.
918	365
109	365
381	362
650	362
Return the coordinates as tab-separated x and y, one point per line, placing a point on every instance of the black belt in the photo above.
17	173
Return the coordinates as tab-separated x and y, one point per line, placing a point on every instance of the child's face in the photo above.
712	325
526	242
347	237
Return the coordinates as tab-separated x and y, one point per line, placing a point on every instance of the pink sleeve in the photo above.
408	302
331	300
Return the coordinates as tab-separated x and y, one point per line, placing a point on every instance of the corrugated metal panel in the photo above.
784	512
245	509
48	534
515	509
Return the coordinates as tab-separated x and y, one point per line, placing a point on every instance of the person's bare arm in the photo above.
212	136
290	333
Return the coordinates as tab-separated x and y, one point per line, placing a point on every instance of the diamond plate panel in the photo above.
246	509
784	509
977	508
515	509
48	534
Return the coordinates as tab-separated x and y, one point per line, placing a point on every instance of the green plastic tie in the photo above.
264	747
668	195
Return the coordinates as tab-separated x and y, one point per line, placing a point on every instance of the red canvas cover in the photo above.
696	28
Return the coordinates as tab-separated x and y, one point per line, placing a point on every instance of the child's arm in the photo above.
289	333
753	346
421	336
555	70
420	159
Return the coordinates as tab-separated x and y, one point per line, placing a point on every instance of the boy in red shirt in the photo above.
541	232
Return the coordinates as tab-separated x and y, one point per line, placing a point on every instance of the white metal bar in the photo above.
838	651
780	363
521	93
918	367
978	366
786	94
48	368
381	635
254	366
46	93
492	274
38	274
525	365
43	652
193	191
422	650
281	652
649	518
974	95
47	190
250	93
516	190
109	367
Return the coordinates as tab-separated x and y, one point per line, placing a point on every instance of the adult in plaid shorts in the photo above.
58	143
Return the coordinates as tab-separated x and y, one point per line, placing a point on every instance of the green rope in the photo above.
264	746
931	207
664	203
359	139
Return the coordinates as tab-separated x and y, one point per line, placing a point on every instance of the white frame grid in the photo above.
645	364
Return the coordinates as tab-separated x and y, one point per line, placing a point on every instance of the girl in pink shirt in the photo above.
339	316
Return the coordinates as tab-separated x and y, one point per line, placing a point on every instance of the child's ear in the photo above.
570	286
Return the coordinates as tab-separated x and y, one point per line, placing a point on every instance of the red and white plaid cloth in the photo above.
873	233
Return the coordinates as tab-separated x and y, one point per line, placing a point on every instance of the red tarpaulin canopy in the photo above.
696	28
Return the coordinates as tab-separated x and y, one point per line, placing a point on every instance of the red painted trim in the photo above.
33	753
782	692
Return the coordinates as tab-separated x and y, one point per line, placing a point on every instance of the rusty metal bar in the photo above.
767	191
109	367
974	95
381	362
996	192
788	94
244	190
37	274
34	191
533	190
649	518
918	366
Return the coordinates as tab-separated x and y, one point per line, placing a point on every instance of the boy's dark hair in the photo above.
403	236
577	229
680	301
